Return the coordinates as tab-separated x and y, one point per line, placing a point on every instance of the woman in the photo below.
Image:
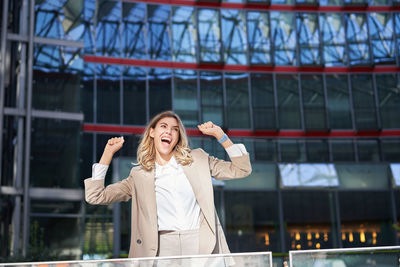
173	209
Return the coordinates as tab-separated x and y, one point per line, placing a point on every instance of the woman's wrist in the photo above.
223	138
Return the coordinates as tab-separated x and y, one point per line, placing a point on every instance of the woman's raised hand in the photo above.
209	128
114	144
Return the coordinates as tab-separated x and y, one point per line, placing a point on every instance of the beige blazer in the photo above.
140	187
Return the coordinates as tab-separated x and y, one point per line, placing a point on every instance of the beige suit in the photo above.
140	187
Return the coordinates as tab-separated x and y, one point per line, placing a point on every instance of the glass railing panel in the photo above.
256	259
354	257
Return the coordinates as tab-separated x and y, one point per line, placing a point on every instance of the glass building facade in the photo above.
312	88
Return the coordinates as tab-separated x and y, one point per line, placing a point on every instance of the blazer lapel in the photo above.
149	190
202	196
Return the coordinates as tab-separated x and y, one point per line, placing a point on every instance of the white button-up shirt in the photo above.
177	207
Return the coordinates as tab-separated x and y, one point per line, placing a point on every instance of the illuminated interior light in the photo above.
318	245
362	237
351	238
317	236
266	236
326	237
343	236
374	235
297	236
298	246
309	236
309	244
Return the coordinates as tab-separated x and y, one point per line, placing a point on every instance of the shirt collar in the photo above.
160	169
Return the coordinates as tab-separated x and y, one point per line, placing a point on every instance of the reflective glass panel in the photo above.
108	78
209	35
338	105
184	34
378	256
159	43
55	146
87	92
258	31
214	148
57	72
233	28
388	87
134	95
13	96
265	150
6	215
55	238
9	135
263	176
357	38
308	38
108	37
284	36
308	217
133	30
366	218
252	222
287	2
364	101
381	34
395	168
159	90
368	150
88	23
237	100
59	19
362	176
397	32
287	86
308	175
330	3
391	149
263	100
333	39
98	236
55	207
342	150
313	101
317	150
292	150
212	97
186	103
86	155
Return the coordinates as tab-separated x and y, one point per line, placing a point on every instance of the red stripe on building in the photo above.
120	129
240	68
273	7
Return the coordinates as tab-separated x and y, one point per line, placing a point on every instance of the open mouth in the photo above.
166	140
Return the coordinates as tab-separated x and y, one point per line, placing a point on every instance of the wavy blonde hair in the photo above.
146	153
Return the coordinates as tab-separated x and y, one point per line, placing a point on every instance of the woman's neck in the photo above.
163	159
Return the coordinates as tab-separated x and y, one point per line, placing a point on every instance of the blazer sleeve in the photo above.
96	193
238	167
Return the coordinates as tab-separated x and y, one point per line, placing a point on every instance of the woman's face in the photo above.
166	136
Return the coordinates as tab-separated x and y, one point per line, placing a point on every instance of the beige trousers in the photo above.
178	243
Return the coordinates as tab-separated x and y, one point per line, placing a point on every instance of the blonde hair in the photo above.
146	153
